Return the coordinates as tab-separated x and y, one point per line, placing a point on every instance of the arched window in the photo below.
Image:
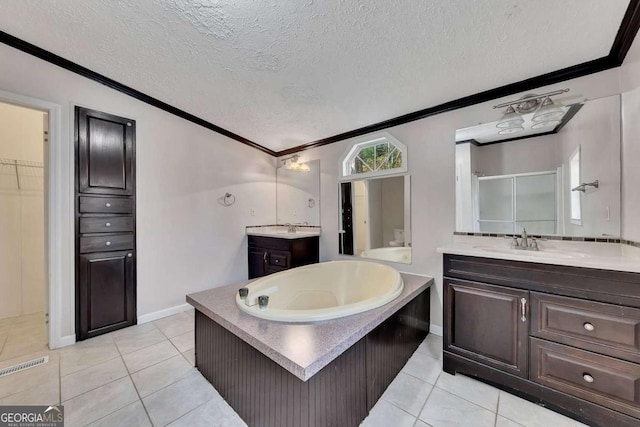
380	155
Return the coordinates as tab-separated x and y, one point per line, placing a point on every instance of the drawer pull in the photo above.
108	243
108	205
108	224
523	309
129	255
265	257
277	261
588	327
588	378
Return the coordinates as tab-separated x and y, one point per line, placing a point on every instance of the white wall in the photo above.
22	281
392	207
187	241
596	129
522	156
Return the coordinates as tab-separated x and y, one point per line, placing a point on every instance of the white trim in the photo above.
150	317
435	330
59	263
67	340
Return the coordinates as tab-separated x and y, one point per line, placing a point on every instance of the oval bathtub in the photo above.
394	254
323	291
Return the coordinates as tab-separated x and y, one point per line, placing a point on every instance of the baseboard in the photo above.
150	317
435	330
65	341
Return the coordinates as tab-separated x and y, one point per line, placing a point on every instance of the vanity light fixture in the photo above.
549	114
511	121
294	165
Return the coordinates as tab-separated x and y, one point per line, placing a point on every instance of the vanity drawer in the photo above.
606	328
280	259
108	224
599	379
115	242
106	205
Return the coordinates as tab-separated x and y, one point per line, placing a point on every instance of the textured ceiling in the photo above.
287	72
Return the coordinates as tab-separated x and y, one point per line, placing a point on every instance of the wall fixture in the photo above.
583	187
547	112
294	165
228	199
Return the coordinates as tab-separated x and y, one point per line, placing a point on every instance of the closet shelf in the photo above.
19	166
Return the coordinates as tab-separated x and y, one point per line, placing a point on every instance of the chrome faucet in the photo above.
525	243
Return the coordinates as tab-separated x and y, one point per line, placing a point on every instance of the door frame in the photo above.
58	194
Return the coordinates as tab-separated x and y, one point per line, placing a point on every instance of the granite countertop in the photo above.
282	231
602	256
301	348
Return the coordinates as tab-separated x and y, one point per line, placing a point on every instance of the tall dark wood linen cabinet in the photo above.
105	222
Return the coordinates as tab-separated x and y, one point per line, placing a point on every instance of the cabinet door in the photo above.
105	145
488	324
257	262
106	292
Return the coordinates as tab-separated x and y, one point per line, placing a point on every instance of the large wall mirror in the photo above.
375	218
552	170
298	192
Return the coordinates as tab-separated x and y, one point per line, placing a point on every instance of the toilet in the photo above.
398	234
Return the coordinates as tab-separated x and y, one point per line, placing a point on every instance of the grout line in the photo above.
134	386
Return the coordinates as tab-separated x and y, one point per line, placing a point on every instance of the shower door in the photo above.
507	204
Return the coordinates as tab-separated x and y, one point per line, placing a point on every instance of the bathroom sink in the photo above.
283	232
544	253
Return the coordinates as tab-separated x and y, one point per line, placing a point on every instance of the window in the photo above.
382	155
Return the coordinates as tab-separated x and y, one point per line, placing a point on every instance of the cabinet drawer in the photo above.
280	259
108	224
116	242
599	379
609	329
106	205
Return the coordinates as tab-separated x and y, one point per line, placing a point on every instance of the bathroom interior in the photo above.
236	214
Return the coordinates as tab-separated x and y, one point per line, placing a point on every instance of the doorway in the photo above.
23	282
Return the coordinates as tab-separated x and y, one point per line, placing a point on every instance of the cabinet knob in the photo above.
588	378
108	243
129	255
108	224
588	327
277	261
108	205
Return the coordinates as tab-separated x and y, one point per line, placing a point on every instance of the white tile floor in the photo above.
144	376
22	335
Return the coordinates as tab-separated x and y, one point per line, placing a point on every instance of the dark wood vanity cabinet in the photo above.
486	324
269	255
565	337
105	223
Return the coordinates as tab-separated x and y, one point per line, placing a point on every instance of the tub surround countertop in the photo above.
602	256
282	231
302	349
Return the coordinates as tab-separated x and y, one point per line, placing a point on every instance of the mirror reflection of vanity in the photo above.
561	180
298	193
375	195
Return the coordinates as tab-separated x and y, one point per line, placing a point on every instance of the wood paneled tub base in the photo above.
341	393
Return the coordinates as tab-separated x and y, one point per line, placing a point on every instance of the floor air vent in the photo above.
22	366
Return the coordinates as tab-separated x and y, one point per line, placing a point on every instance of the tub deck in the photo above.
303	349
329	373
